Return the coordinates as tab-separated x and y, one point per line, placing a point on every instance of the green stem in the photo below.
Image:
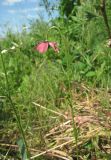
78	2
75	130
13	107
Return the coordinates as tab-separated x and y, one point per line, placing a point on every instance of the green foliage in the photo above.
84	57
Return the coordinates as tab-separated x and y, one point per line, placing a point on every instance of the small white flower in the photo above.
13	47
4	51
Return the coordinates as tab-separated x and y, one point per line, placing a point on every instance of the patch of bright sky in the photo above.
15	13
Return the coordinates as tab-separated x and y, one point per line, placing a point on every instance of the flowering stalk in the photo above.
43	46
14	108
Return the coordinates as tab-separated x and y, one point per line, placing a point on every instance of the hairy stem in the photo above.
75	130
13	106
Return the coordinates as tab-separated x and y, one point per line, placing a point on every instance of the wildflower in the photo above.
42	47
4	51
13	47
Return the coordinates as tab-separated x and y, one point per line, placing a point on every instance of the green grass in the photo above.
61	101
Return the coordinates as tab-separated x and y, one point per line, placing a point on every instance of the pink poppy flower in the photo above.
42	47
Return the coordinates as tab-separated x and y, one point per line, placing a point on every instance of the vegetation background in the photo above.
58	105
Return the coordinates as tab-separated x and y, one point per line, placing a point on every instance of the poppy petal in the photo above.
42	47
54	46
